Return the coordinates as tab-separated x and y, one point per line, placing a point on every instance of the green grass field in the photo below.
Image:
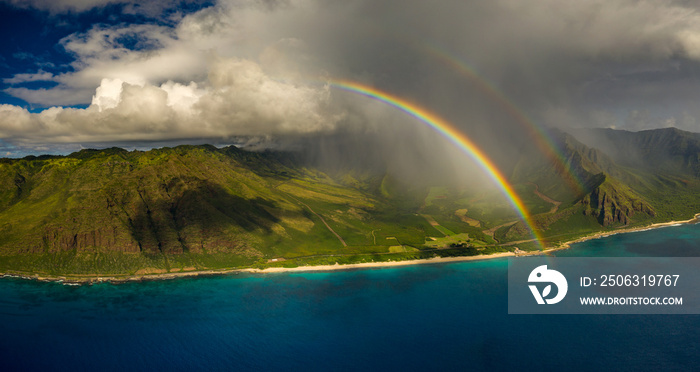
196	207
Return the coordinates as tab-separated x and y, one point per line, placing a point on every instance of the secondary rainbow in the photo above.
541	137
453	135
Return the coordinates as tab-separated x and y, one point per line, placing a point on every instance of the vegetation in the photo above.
198	207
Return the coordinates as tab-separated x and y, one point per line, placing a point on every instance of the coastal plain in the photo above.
117	215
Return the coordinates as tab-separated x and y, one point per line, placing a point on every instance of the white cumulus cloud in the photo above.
251	67
238	99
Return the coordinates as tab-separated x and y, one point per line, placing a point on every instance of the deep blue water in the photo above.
426	317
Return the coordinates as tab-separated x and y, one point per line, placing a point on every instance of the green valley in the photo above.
168	210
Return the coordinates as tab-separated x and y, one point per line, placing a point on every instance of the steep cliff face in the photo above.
155	217
171	201
613	203
61	239
568	172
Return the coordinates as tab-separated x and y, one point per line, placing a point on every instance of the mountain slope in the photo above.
187	207
662	165
669	150
199	207
590	182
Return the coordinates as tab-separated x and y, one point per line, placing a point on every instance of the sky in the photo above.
100	73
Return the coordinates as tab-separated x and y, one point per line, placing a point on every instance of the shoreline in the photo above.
116	279
78	280
598	235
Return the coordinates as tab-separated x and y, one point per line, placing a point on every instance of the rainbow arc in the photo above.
453	135
541	137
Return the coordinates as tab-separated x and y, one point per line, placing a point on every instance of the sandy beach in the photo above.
85	279
88	279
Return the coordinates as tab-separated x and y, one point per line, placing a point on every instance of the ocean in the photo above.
423	317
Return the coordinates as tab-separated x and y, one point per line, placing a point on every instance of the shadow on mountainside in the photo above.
196	215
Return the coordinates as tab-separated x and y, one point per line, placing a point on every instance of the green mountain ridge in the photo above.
590	179
613	203
189	208
670	150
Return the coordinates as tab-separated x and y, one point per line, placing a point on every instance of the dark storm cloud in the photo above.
257	68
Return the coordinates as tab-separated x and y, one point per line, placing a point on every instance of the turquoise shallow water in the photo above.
425	317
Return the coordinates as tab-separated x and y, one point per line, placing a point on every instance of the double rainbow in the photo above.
453	135
541	137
